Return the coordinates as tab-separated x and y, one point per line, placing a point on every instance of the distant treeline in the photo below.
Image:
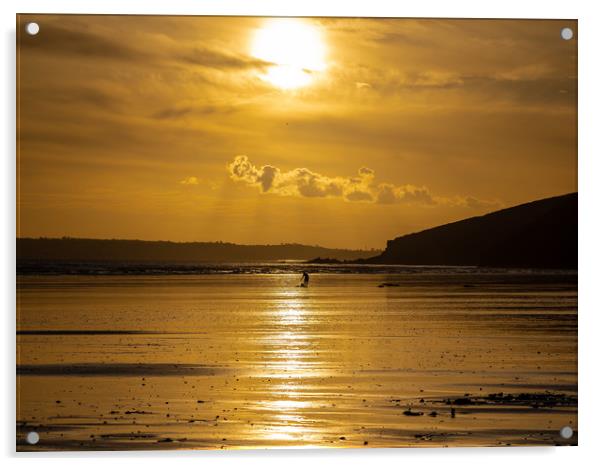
81	249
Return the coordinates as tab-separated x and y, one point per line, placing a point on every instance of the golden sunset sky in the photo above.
338	132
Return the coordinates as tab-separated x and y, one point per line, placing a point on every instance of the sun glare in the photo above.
294	47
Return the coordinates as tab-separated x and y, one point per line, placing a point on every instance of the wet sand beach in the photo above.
250	360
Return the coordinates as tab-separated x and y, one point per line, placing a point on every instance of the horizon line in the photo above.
192	242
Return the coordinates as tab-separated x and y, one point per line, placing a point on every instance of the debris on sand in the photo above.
535	400
409	412
461	401
386	284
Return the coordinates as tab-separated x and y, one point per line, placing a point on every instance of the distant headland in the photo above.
538	234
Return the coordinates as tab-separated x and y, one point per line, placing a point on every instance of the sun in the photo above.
295	49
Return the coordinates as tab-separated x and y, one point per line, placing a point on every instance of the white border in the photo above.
425	8
590	154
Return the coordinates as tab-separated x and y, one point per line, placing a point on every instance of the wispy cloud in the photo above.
218	59
62	41
191	180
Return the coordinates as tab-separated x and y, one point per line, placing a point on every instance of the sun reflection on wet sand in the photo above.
288	344
290	363
337	365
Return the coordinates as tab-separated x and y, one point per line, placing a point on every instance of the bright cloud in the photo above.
303	182
307	183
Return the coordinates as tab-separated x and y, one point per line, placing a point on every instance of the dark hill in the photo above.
540	234
80	249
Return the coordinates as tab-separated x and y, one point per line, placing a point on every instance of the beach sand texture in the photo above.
252	361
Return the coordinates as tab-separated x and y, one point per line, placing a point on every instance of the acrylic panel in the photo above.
255	232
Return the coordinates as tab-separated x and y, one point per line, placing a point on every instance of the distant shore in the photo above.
87	249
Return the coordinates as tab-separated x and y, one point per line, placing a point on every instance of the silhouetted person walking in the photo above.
305	280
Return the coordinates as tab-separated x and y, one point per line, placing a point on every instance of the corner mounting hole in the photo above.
32	28
566	432
33	438
566	33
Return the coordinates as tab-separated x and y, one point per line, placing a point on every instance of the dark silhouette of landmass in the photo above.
539	234
80	249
